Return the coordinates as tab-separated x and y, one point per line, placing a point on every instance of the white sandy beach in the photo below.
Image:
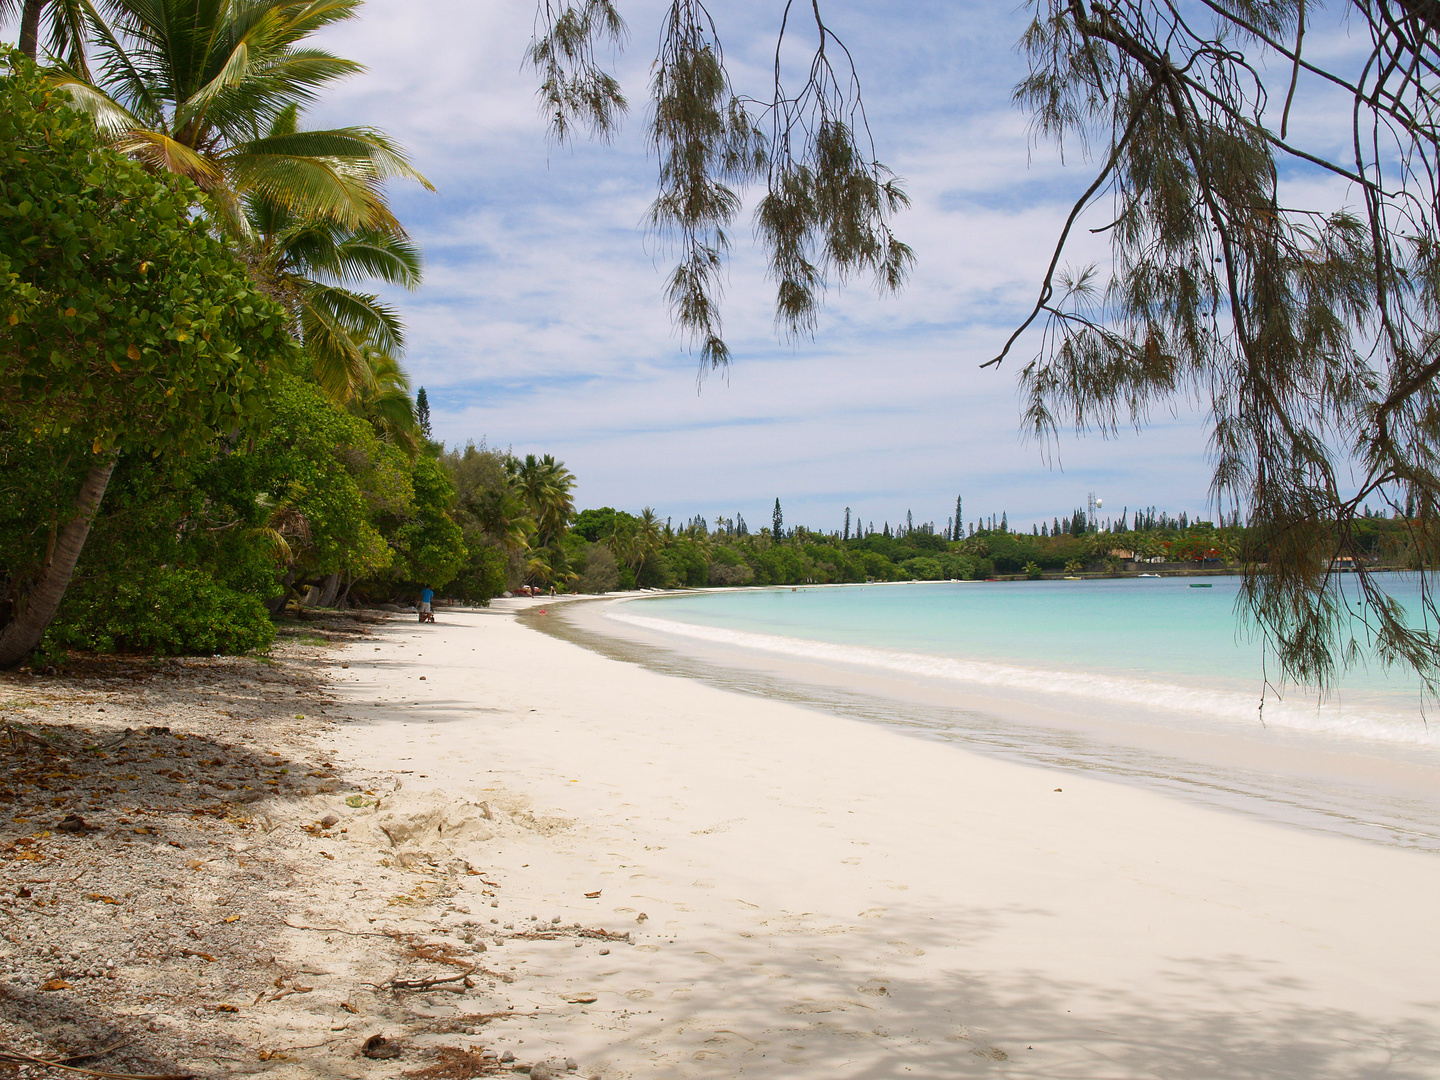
813	896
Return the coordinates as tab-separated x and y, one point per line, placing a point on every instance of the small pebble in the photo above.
329	820
604	952
571	1064
556	919
508	1055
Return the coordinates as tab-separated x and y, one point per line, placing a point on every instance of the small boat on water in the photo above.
1205	585
1150	575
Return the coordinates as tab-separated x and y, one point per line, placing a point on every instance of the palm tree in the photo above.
625	545
202	88
307	262
546	486
66	19
384	400
648	537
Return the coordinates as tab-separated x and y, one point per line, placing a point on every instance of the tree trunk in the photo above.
20	636
328	589
30	28
276	605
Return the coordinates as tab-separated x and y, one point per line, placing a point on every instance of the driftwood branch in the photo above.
19	735
428	984
7	1054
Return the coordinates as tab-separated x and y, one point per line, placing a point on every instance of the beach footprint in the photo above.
906	948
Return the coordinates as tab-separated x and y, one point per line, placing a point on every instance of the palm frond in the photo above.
312	184
162	152
387	257
362	316
109	115
190	112
339	363
366	150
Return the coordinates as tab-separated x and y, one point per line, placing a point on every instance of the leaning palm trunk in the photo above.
30	28
20	636
329	590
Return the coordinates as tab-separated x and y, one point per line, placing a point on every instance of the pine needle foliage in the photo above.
1308	332
824	212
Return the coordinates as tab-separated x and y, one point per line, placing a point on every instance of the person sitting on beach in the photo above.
427	596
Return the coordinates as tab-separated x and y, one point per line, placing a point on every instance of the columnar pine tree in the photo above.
422	413
847	523
777	519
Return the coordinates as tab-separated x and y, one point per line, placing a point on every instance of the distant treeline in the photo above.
611	549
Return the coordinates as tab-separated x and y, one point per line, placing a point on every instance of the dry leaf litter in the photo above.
189	887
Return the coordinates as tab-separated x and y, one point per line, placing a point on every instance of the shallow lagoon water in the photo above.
1141	681
1162	645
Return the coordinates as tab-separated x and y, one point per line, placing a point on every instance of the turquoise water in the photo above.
1134	647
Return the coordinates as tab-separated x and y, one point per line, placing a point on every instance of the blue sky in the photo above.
542	326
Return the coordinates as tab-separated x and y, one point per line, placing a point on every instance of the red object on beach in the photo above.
542	611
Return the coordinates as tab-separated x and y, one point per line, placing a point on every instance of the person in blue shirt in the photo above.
427	595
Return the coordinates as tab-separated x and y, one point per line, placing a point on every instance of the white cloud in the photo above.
542	322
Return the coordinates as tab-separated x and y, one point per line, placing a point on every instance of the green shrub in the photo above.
601	573
656	573
483	575
721	574
923	569
167	613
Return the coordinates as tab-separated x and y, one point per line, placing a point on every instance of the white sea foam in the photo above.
1367	719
